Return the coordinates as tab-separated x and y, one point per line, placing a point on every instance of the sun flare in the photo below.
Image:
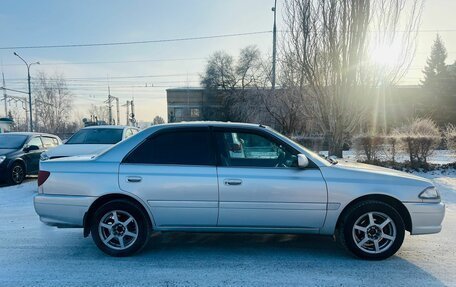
385	55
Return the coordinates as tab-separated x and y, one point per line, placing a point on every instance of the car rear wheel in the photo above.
17	173
372	230
120	228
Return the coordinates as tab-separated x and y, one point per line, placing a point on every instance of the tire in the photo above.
16	173
372	230
120	228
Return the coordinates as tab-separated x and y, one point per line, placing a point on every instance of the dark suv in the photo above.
20	154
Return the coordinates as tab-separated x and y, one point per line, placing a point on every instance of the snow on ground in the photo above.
437	157
33	254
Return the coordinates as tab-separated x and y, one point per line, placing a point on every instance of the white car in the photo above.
185	177
90	140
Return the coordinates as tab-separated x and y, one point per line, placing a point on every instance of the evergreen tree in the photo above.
436	76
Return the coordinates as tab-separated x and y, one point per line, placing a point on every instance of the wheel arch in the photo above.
18	160
394	202
109	197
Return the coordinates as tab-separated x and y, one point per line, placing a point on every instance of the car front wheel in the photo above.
120	228
372	230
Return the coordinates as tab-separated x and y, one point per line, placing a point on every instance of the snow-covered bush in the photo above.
419	138
450	136
368	146
391	146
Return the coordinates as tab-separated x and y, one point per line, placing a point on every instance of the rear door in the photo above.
175	172
261	186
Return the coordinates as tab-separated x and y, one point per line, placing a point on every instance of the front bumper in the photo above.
426	217
62	210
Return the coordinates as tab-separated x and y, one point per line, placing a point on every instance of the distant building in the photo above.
386	108
193	104
5	124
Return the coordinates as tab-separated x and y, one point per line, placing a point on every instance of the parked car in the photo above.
191	177
20	154
90	140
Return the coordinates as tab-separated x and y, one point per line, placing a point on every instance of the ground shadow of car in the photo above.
257	259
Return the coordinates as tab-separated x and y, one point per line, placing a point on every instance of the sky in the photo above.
144	71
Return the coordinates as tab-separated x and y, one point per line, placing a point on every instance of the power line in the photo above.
103	79
113	62
133	42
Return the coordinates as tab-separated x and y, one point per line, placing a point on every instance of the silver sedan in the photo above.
227	177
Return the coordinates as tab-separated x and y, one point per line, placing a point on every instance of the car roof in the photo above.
109	127
29	134
211	124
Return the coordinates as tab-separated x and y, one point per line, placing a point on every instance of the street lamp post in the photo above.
29	88
274	52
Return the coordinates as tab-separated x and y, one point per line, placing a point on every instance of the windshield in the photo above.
96	136
12	141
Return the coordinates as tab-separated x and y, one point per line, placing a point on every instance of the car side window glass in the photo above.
252	150
35	141
49	142
181	147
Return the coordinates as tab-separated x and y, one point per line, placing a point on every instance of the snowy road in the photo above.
32	254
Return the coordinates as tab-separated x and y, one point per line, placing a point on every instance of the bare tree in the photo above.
237	83
158	120
101	113
53	104
326	51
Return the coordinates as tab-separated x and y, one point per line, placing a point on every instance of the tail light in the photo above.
43	176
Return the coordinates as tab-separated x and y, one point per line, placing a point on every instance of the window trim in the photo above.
171	131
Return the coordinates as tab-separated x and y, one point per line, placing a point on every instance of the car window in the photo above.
96	136
49	142
184	147
128	133
9	141
35	141
251	149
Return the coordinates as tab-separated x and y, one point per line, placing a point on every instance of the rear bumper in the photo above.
62	210
426	217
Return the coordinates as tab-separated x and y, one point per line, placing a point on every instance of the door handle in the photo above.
233	182
134	178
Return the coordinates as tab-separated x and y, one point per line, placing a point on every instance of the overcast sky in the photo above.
171	64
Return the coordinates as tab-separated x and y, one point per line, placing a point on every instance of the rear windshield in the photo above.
12	141
96	136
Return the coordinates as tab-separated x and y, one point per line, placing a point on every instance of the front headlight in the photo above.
44	156
430	193
2	158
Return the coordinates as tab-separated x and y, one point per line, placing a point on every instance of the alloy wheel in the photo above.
118	229
17	174
374	232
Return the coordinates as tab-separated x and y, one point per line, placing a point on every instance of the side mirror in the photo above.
302	161
31	148
236	148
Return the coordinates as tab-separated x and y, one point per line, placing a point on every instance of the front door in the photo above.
261	185
32	157
175	172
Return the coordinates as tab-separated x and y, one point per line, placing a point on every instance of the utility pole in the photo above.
274	49
118	111
133	119
127	122
5	97
109	106
29	88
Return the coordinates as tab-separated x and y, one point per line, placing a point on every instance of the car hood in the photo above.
76	149
5	151
377	170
